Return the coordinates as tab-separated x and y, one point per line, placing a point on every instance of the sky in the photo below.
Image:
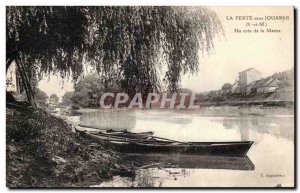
268	52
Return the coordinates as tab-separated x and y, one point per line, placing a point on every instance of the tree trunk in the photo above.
26	84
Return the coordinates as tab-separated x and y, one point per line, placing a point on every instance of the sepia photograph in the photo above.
150	97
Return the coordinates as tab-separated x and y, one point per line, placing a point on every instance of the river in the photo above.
272	153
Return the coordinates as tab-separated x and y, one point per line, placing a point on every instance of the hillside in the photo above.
42	151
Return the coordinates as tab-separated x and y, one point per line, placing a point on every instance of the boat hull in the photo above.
217	149
193	148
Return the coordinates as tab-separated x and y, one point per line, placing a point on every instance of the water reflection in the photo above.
193	161
271	153
110	119
282	127
192	126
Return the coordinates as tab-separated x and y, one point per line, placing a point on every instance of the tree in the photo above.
67	98
128	44
40	96
138	40
54	97
90	85
44	39
226	86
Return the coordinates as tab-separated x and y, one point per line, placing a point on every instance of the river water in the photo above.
272	153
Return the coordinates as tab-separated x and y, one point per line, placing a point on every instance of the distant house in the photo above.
246	77
253	86
264	85
269	85
235	88
250	87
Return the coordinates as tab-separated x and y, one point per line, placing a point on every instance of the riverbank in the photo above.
205	110
277	103
42	151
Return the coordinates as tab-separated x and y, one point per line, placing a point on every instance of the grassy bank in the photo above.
42	151
288	104
254	99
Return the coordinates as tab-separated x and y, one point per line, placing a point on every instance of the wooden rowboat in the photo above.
127	134
161	145
122	133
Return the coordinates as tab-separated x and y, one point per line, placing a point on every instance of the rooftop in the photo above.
248	70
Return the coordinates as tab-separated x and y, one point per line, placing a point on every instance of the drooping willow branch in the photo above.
127	44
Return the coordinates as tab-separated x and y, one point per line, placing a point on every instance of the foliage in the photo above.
285	78
88	86
132	44
54	97
44	39
35	140
51	37
128	44
67	98
226	86
40	96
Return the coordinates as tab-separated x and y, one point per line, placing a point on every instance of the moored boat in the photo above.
152	144
122	133
127	134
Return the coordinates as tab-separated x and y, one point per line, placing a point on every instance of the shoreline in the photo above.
275	103
209	109
239	104
43	151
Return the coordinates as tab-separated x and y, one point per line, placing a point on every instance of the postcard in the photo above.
150	97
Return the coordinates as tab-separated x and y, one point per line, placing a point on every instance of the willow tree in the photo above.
134	46
44	40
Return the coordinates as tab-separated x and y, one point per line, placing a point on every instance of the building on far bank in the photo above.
246	77
269	85
252	87
235	88
264	85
